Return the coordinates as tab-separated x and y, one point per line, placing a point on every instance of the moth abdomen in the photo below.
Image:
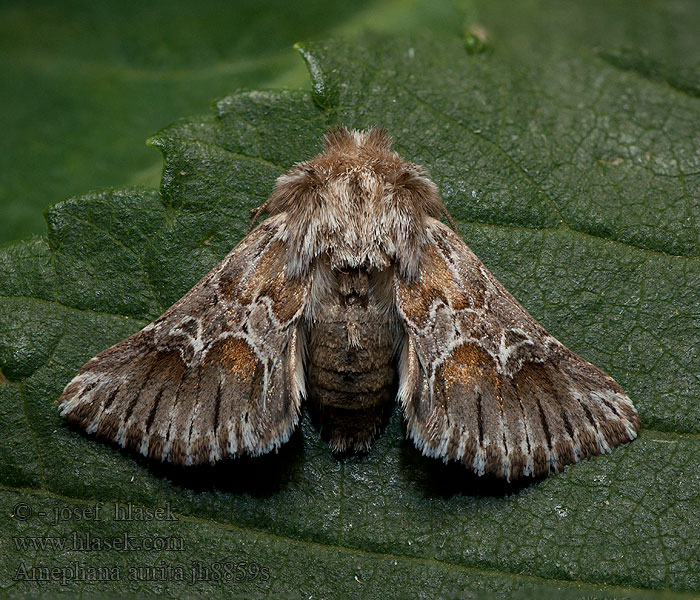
351	371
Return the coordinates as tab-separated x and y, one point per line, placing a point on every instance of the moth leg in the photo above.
449	218
255	213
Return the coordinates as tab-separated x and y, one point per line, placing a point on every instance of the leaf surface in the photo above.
572	181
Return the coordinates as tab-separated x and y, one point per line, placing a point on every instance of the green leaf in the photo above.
577	184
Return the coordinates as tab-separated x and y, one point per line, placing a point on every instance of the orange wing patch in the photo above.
436	284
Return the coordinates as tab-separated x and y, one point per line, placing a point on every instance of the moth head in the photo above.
350	140
358	203
359	167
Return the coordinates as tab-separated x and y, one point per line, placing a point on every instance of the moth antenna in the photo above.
255	214
450	220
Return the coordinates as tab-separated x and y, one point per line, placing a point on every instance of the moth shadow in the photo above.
437	479
258	476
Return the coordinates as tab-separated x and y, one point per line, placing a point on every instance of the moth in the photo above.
352	294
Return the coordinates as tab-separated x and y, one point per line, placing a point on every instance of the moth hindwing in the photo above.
351	294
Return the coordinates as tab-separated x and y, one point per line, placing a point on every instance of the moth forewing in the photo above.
216	375
352	293
499	393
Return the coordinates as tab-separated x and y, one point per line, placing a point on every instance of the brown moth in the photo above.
352	293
